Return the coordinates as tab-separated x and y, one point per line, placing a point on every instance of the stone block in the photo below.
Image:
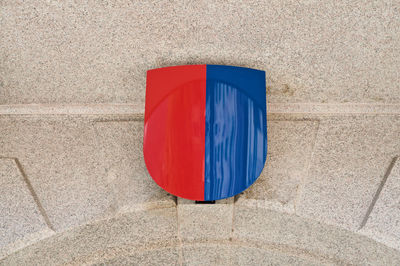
103	239
383	223
205	221
350	159
79	169
234	254
308	236
166	256
21	221
99	51
60	157
290	144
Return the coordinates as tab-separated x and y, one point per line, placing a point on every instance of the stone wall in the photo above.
73	185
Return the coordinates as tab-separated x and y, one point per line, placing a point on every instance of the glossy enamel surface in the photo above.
236	140
174	129
205	129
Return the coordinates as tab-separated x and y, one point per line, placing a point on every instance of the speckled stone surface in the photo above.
350	159
260	237
86	168
94	242
205	221
234	254
72	91
383	223
166	256
81	169
315	238
20	217
59	156
99	51
290	144
121	145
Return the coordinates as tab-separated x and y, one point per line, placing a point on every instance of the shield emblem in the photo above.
205	129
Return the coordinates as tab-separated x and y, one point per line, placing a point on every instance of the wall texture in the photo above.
99	51
73	184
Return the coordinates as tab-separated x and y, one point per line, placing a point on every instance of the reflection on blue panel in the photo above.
236	135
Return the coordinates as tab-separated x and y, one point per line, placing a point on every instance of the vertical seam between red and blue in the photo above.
207	140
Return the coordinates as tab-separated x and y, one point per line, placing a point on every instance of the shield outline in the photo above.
186	88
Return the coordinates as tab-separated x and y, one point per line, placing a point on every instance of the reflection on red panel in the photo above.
174	135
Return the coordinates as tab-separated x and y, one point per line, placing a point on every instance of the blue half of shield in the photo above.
236	130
